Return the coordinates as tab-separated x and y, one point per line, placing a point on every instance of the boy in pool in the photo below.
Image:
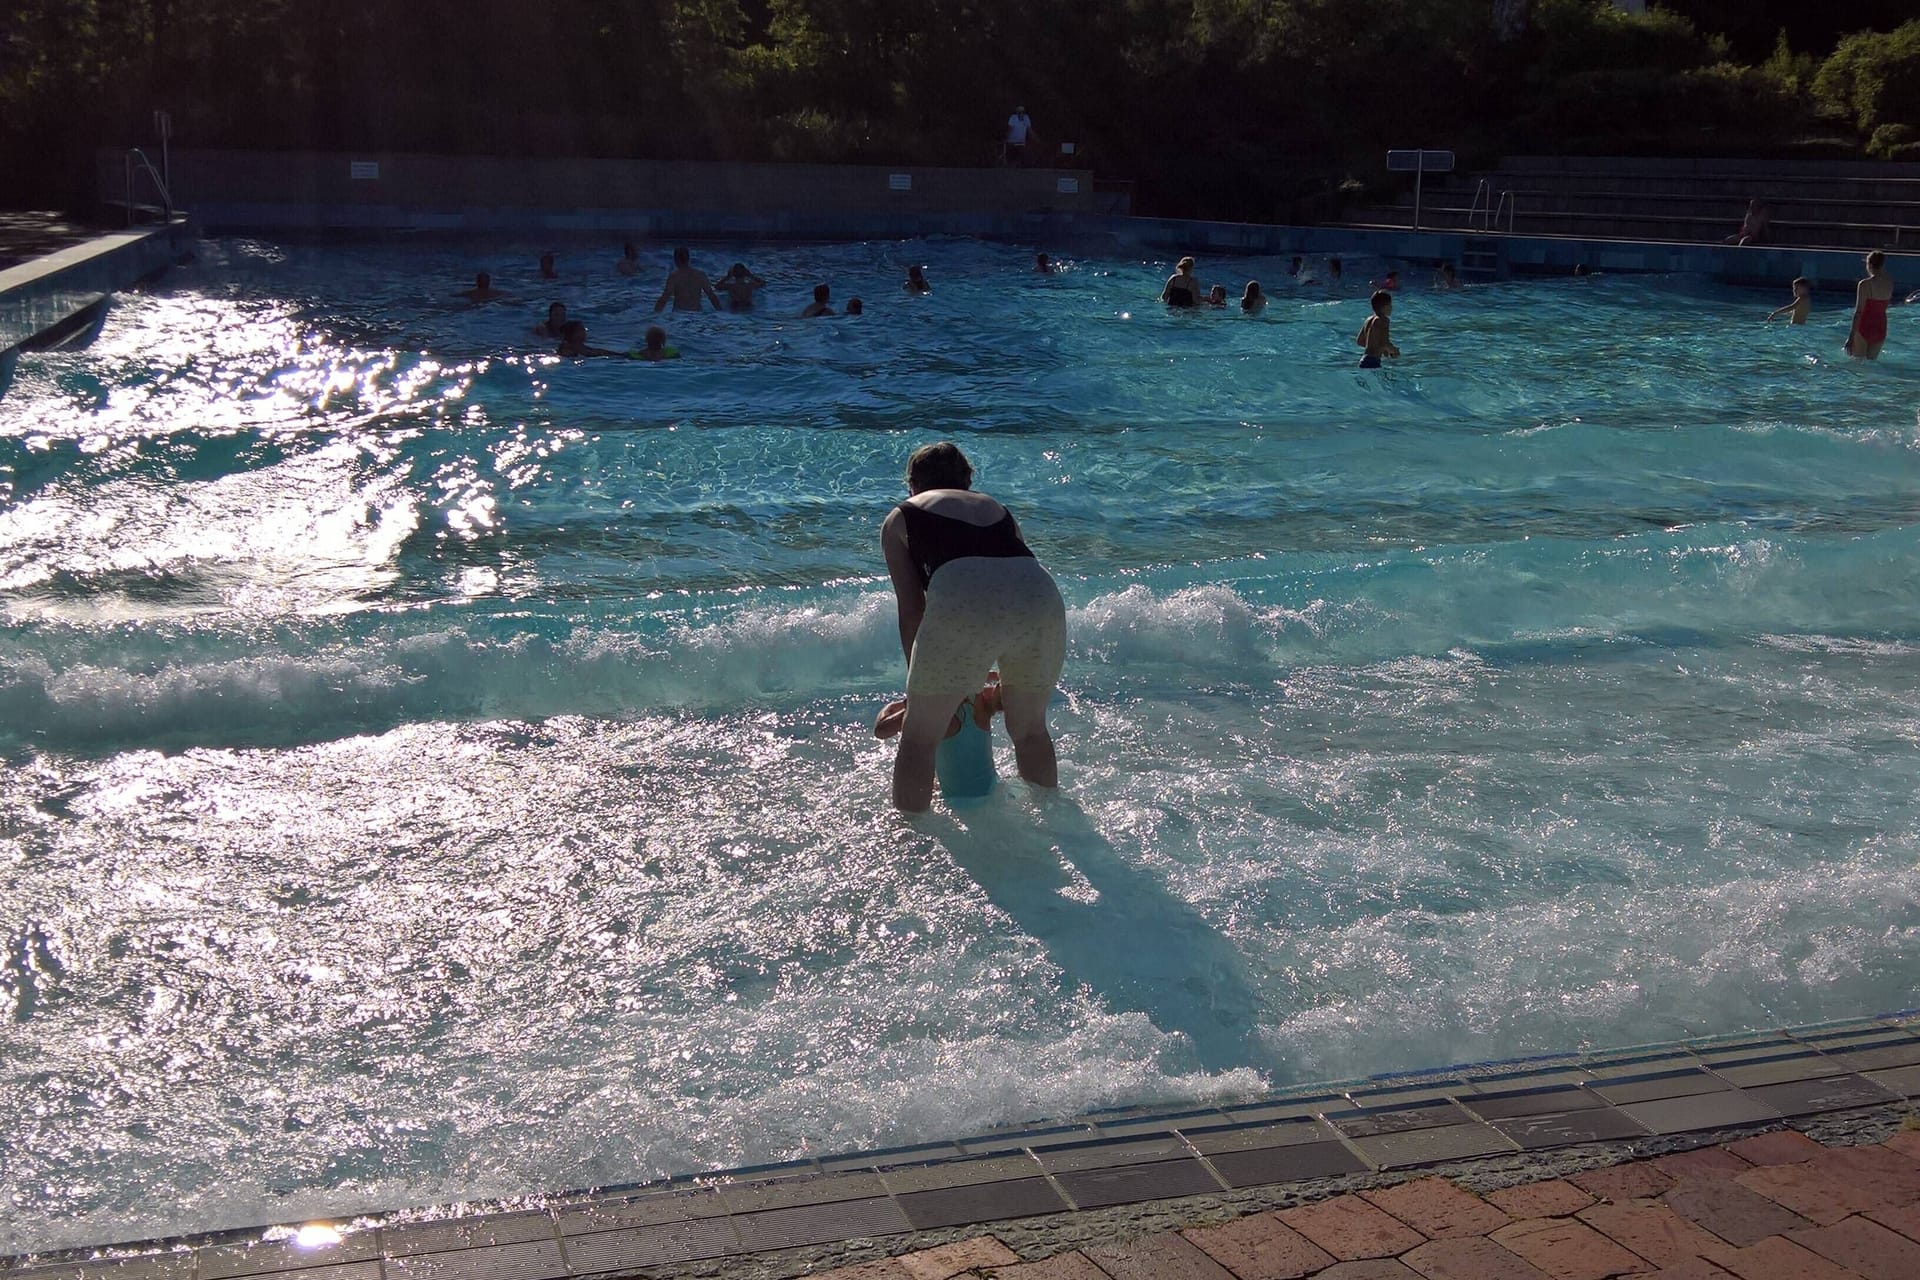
1375	336
657	348
1802	302
917	280
963	760
820	306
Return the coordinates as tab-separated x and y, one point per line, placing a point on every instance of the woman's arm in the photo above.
909	592
1859	305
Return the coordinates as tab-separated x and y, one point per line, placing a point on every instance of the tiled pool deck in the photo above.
1102	1180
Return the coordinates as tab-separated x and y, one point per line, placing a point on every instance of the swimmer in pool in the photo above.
1217	296
629	264
971	596
657	348
1294	270
1870	299
1042	265
1391	283
555	325
1182	288
1797	310
1333	273
855	307
917	281
547	271
739	284
819	306
685	286
1253	302
573	343
1375	336
1449	279
482	291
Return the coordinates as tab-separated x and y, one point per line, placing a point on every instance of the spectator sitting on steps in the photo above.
1753	227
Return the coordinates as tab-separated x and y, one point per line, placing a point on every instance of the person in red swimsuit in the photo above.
1870	301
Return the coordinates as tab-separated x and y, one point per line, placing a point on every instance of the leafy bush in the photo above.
1585	36
1873	77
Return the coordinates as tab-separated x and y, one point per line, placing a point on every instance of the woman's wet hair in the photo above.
553	308
1185	264
938	466
1876	260
656	338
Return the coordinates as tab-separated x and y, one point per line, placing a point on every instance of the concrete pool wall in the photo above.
1056	209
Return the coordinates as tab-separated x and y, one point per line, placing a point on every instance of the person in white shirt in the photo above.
1019	128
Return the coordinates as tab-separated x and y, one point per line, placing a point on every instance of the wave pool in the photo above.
434	770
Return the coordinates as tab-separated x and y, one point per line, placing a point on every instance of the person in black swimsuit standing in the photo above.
970	594
1182	288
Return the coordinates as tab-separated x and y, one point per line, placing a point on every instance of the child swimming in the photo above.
1375	336
1802	302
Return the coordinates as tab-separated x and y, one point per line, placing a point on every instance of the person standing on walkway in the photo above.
1019	129
1870	299
970	595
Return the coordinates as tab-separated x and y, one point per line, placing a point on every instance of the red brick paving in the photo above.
1735	1213
1348	1228
1262	1248
1776	1258
1707	1162
1636	1181
1469	1258
1438	1209
1568	1249
1776	1207
1785	1147
1874	1251
1168	1256
1554	1198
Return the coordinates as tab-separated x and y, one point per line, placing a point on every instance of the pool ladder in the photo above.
136	165
1489	210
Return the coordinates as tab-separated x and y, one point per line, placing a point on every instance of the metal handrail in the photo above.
1484	189
1508	203
136	156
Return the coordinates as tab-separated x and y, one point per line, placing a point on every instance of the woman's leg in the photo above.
1026	711
929	715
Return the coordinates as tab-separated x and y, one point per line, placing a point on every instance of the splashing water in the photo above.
437	770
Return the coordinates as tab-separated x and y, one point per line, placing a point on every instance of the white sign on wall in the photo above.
363	170
899	182
1067	186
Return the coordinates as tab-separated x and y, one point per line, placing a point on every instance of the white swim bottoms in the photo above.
983	610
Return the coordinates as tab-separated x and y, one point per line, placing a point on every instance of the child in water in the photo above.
1375	336
1802	302
963	762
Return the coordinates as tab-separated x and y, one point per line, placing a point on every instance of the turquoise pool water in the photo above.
433	770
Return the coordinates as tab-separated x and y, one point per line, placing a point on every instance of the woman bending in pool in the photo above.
971	595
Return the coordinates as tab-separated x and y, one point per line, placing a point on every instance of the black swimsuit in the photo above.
1179	296
934	539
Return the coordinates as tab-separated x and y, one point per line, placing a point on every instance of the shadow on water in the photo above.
1135	945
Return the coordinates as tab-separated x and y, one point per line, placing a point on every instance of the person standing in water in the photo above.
685	286
629	264
1796	311
1375	336
917	280
1870	299
1183	287
740	284
482	291
1253	302
970	595
821	304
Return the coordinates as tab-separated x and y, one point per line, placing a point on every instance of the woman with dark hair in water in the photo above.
971	595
